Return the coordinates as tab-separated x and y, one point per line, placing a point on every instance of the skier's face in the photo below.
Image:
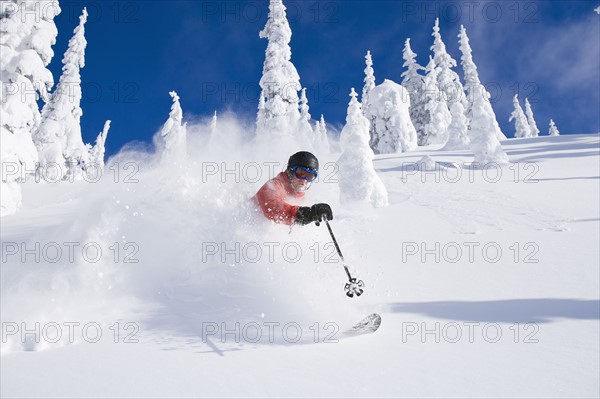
302	177
299	184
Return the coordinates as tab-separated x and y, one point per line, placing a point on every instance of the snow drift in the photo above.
180	242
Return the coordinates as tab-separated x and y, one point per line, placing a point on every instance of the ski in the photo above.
368	325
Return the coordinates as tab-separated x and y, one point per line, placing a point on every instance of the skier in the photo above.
274	196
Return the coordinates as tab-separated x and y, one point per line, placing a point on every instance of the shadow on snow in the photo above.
542	310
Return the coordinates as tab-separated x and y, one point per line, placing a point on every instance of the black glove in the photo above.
315	213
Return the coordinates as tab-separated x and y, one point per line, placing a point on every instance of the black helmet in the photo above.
303	158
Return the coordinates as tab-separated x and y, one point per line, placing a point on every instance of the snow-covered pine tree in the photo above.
414	83
369	79
172	138
321	139
484	132
369	85
213	124
218	138
458	138
553	131
280	81
58	139
452	89
27	33
535	132
304	108
358	180
436	130
96	153
389	106
484	143
261	114
448	80
522	129
473	85
282	124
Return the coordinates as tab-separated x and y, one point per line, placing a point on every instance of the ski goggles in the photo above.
304	173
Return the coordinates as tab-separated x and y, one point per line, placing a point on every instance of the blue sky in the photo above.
210	53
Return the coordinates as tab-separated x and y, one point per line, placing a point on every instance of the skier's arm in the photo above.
271	199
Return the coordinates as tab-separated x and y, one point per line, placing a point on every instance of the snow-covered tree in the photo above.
369	79
58	138
531	120
280	80
261	114
220	137
452	89
414	83
320	135
553	131
27	33
484	132
389	105
213	123
369	85
521	125
172	138
436	129
96	153
484	143
280	84
323	135
473	85
458	138
357	177
448	80
304	108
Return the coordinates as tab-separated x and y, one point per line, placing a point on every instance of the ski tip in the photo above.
374	317
368	325
376	320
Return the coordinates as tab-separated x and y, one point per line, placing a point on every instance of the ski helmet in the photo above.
303	158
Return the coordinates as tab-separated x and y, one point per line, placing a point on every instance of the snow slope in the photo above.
520	322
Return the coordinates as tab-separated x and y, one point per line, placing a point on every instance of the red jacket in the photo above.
273	199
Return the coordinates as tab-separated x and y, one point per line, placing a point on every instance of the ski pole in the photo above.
353	287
